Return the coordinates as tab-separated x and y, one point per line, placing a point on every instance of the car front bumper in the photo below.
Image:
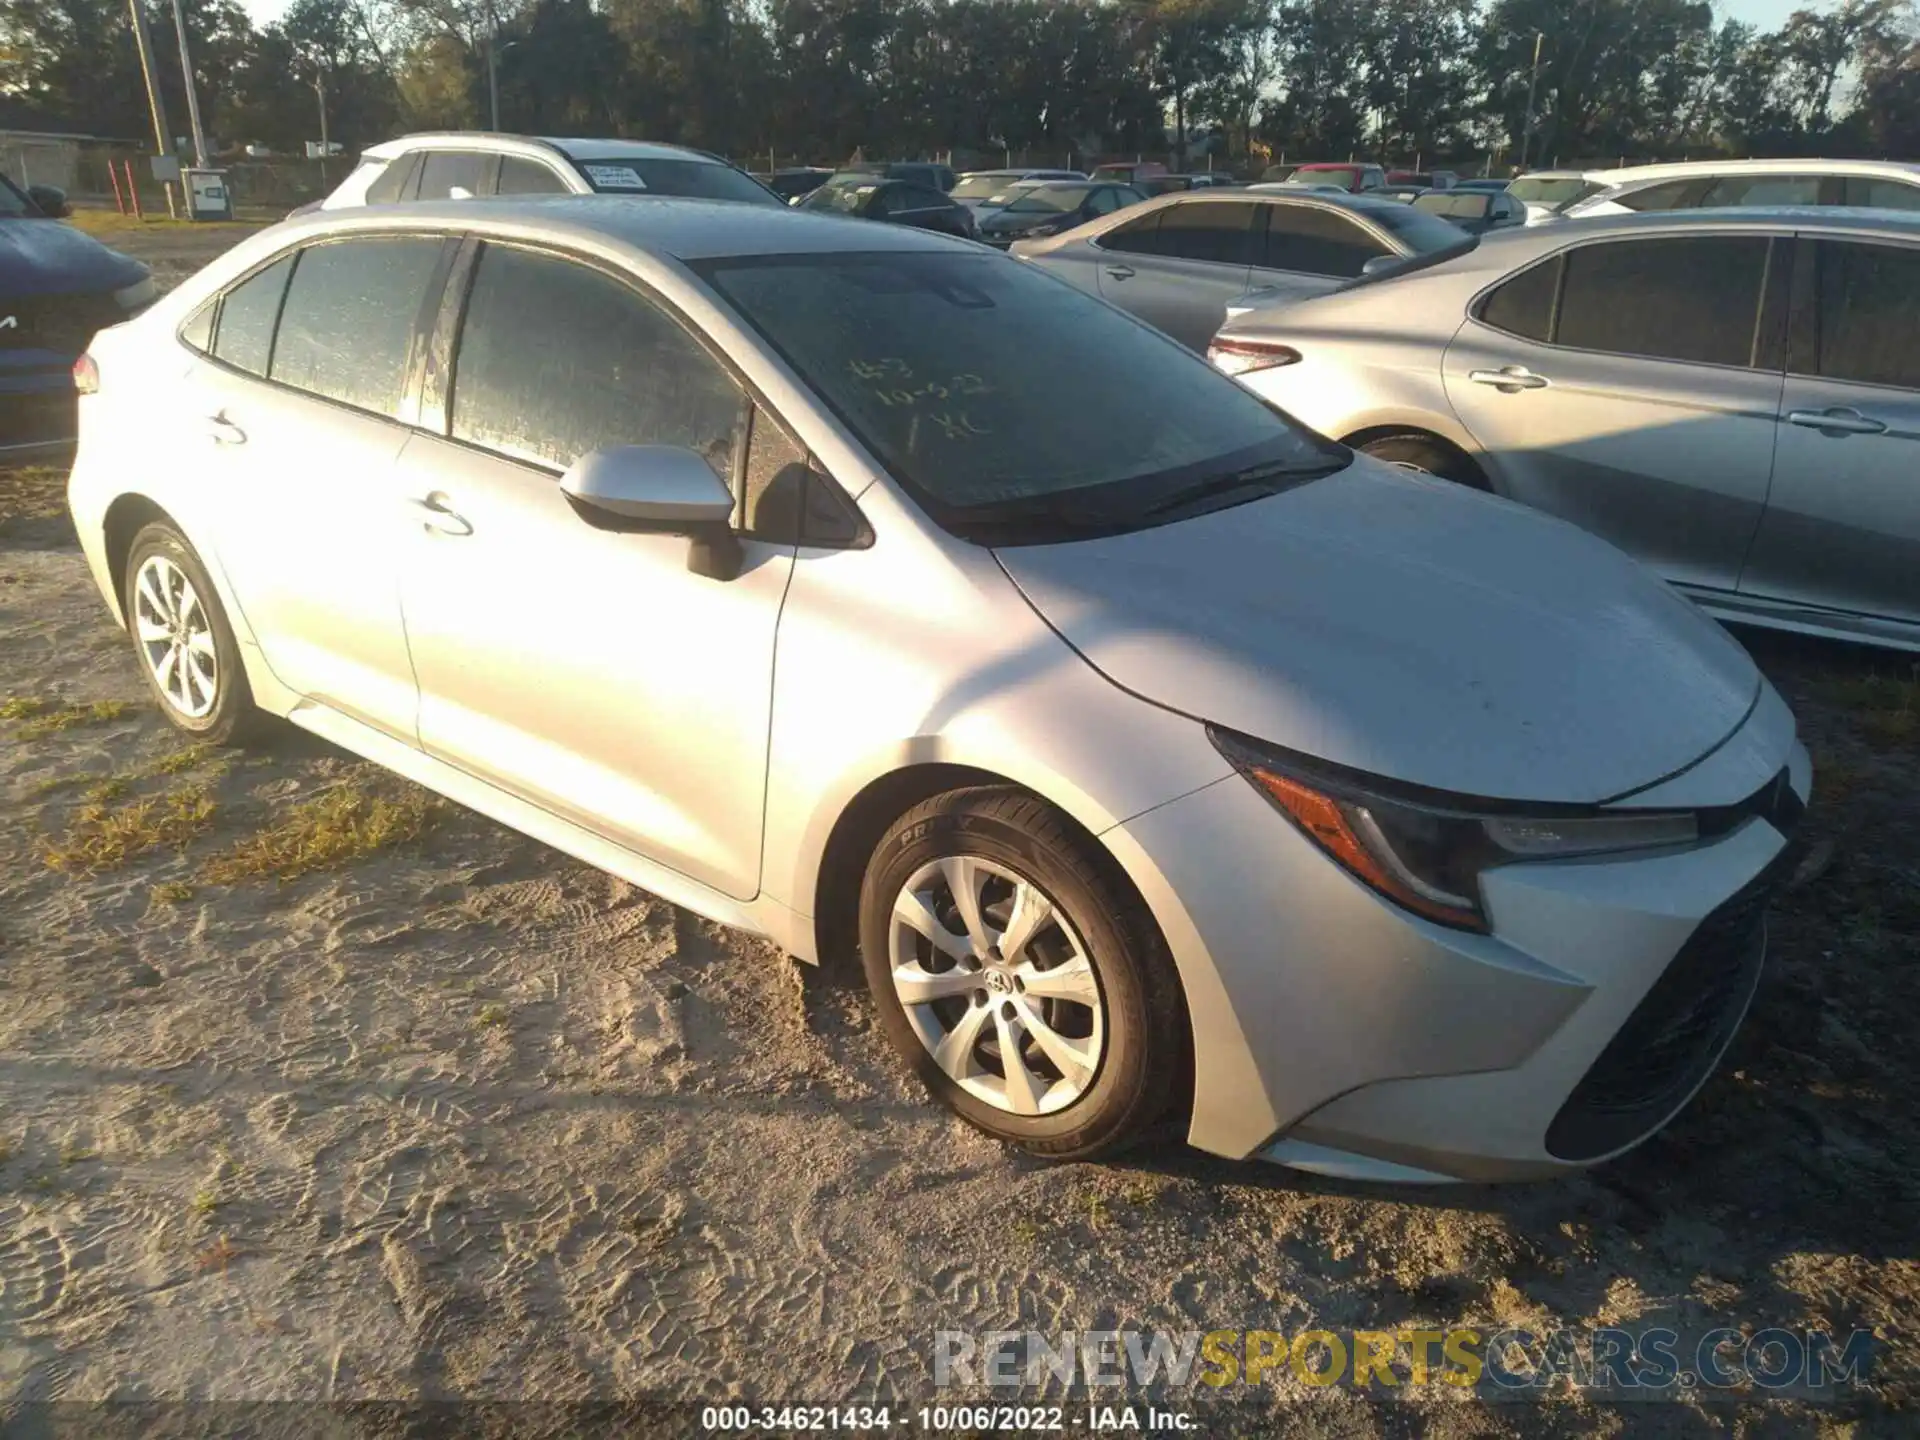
1339	1033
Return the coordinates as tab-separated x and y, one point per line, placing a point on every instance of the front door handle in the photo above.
1509	379
224	431
1120	272
1838	420
432	513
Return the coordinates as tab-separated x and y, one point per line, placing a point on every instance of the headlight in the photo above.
136	296
1429	856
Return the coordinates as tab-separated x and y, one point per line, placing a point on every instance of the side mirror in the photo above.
660	490
51	200
1379	263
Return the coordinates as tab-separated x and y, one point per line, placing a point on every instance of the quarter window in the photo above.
1203	230
1523	306
1694	299
392	182
347	328
197	333
1878	194
1313	241
557	359
244	337
1673	195
1869	313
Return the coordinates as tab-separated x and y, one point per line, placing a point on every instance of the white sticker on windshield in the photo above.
615	177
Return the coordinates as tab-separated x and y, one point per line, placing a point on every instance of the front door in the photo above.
1632	388
587	670
1842	528
304	396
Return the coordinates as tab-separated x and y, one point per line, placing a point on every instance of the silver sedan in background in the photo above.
1732	396
876	593
1184	262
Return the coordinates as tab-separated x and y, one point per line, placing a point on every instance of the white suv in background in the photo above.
1717	184
467	165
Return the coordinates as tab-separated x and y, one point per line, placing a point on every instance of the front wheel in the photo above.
1423	454
1023	982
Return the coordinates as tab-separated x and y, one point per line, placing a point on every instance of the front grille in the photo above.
1675	1034
64	324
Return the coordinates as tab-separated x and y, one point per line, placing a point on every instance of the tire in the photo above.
203	691
1413	451
1102	1045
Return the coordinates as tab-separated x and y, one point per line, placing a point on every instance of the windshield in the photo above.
1050	199
1464	205
979	187
1553	194
13	204
1346	179
696	179
1413	227
842	195
988	388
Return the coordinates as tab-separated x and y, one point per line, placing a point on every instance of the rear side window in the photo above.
1869	313
1693	298
1763	190
527	177
1219	233
1523	306
347	328
244	337
444	171
393	183
1312	241
557	359
1879	194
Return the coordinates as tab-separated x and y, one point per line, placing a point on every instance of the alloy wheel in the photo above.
175	635
997	984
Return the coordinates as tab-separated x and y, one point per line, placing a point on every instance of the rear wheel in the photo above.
1410	450
1022	981
187	649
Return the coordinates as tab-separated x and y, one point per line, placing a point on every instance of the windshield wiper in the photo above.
1256	482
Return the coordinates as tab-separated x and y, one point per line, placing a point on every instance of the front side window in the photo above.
1312	241
1674	195
1691	298
346	330
987	389
244	336
557	359
443	172
1136	237
1868	313
1204	230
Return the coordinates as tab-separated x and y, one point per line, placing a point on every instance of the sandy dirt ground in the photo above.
446	1115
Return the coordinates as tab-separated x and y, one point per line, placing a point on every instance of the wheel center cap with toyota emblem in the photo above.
999	982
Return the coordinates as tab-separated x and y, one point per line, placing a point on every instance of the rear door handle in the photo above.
1509	379
433	514
224	431
1120	272
1840	420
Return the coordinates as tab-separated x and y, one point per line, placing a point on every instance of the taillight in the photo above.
86	376
1236	355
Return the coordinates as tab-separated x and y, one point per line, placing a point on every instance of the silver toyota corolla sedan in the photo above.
877	593
1732	396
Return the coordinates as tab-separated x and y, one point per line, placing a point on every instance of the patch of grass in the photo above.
40	719
105	837
204	1202
492	1017
1026	1233
111	788
337	828
216	1256
1144	1192
72	1152
171	892
178	762
1098	1210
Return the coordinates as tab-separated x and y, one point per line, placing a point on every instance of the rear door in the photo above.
454	175
1194	266
1842	526
1632	387
1306	249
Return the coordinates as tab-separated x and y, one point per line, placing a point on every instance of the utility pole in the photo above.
143	42
493	69
1533	89
186	79
320	94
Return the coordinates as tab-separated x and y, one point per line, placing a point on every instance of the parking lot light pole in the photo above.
1533	89
186	80
143	42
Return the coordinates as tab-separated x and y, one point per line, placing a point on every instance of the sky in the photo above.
1767	14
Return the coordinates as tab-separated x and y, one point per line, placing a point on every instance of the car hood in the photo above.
1000	222
1408	628
46	257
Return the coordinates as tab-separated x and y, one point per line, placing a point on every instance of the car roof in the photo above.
1831	219
1691	169
668	226
1340	165
573	147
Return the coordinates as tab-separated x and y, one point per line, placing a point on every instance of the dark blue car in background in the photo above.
57	287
